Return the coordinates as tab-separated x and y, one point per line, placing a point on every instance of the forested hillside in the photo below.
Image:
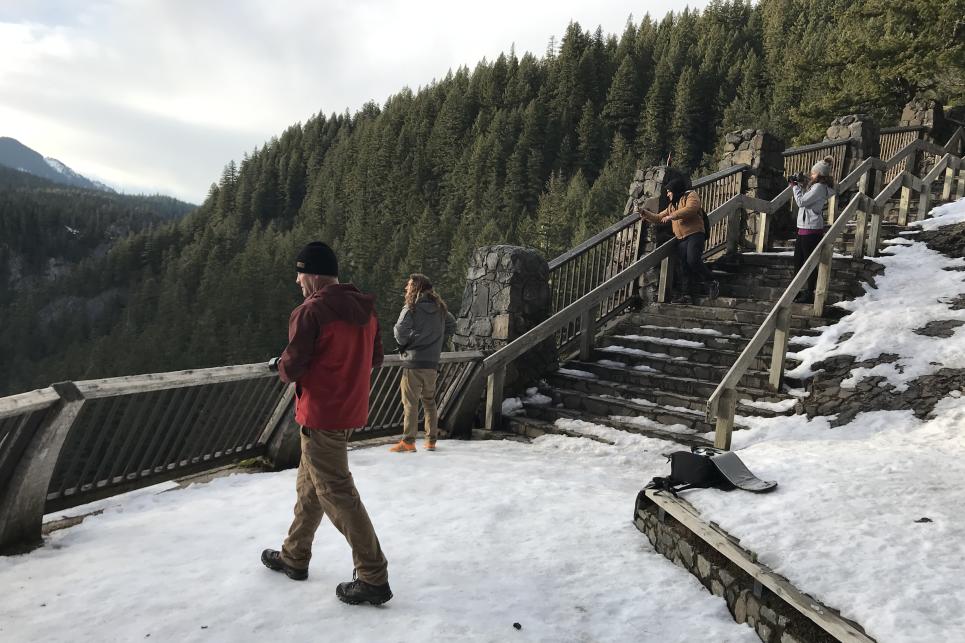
521	149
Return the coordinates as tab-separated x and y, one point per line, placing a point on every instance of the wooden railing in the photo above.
580	270
714	190
722	403
801	159
76	442
891	140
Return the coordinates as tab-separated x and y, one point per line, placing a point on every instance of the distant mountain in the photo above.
16	155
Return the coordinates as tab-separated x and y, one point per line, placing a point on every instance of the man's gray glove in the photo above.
273	364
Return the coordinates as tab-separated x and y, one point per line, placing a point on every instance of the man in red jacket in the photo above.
333	344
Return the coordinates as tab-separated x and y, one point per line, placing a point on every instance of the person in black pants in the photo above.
684	214
810	220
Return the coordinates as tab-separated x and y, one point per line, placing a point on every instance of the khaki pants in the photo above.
419	384
325	488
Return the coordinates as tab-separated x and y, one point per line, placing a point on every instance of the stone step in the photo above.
709	337
728	329
741	311
784	258
648	380
541	420
585	404
668	399
771	280
700	354
772	293
681	367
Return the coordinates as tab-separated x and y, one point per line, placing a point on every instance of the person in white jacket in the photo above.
811	200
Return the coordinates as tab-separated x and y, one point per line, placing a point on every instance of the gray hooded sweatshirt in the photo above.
421	332
811	205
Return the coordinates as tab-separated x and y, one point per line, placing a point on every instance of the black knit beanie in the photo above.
317	259
676	185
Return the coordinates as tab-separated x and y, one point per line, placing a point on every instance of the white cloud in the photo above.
159	95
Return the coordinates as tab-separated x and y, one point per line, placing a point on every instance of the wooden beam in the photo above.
23	403
903	205
824	279
874	231
860	229
762	242
666	280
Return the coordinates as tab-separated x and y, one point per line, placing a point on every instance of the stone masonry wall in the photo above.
762	151
507	293
865	132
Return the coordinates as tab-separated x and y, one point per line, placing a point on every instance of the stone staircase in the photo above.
652	372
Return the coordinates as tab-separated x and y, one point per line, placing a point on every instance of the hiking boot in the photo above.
429	445
358	591
272	560
403	447
713	289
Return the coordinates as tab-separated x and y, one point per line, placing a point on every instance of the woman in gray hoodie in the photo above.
810	219
424	325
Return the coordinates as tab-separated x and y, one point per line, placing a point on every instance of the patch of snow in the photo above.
696	331
846	513
636	352
642	402
184	565
610	362
667	341
778	407
512	405
576	373
943	215
643	368
915	288
647	423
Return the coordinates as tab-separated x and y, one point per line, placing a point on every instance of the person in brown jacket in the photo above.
684	215
333	345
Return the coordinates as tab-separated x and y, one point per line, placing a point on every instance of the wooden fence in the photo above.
76	442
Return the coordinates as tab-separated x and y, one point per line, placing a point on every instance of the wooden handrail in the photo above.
718	175
903	128
27	402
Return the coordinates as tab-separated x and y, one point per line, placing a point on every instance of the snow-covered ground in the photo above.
479	536
869	516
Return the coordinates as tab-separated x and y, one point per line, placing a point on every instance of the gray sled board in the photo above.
731	467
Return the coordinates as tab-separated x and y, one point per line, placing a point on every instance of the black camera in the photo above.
800	177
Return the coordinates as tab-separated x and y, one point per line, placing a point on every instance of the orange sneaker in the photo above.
429	445
403	447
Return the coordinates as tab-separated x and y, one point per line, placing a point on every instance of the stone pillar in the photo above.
762	151
649	190
507	294
925	113
863	132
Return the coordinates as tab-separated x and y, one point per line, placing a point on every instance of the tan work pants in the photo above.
419	384
325	487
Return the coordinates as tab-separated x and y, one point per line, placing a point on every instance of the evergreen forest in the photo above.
525	149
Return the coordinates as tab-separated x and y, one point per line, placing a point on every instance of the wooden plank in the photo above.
109	387
281	409
874	231
666	280
823	284
722	542
860	233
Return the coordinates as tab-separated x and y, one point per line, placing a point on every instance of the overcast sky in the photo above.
157	95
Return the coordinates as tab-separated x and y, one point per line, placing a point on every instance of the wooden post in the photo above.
960	192
874	233
587	332
763	231
726	407
734	220
923	201
876	178
782	331
494	398
903	205
860	226
666	280
22	501
949	180
824	280
832	208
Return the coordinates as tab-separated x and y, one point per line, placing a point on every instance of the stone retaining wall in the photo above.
766	613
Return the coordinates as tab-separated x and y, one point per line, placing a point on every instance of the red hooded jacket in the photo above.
333	345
